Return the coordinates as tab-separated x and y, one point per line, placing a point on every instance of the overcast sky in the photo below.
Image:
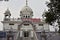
38	7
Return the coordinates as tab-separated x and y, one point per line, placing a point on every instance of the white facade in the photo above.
24	24
14	24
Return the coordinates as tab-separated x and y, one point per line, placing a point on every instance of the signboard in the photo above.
4	0
2	34
1	0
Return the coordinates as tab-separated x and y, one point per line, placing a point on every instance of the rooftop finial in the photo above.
7	9
26	2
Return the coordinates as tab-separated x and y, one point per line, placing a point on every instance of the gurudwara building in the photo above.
24	28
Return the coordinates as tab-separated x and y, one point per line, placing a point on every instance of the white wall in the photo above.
46	27
30	27
39	28
7	26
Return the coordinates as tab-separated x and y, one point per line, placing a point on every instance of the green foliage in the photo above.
50	17
53	12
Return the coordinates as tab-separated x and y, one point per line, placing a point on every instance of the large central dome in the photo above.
26	11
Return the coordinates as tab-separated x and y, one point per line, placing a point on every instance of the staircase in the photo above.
18	36
27	38
35	36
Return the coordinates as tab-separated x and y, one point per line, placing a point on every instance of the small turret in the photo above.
7	15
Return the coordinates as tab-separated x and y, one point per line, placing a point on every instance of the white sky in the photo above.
38	7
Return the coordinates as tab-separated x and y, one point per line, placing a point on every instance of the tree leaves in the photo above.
50	17
53	12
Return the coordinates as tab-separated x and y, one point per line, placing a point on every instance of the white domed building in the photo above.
24	28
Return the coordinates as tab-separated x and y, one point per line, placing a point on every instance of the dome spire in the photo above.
26	2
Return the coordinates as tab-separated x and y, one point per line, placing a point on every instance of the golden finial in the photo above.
26	2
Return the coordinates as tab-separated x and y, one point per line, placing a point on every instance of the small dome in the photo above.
7	12
26	9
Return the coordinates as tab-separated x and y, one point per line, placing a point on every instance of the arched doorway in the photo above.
26	30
